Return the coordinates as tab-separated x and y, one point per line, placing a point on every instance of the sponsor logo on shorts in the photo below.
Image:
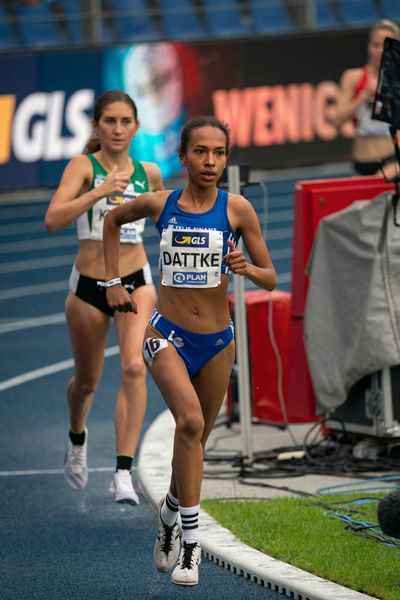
196	239
181	278
178	342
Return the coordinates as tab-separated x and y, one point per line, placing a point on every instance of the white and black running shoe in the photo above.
167	545
186	571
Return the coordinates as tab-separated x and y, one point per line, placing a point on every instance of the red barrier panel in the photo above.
268	372
315	200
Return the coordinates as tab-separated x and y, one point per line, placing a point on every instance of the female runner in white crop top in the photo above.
90	187
189	347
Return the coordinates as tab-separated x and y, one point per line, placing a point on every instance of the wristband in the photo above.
110	282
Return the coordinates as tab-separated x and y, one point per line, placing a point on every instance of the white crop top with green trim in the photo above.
90	224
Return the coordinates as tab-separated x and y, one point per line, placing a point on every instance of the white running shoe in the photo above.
167	544
186	571
75	465
123	489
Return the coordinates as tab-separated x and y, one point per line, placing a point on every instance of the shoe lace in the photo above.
166	537
188	558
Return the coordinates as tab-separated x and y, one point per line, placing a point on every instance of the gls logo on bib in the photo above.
196	239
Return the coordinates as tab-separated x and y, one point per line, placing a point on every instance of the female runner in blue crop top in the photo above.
93	184
189	346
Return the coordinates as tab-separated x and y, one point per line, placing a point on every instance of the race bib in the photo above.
191	257
130	232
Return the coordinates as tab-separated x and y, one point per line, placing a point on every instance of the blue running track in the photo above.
57	544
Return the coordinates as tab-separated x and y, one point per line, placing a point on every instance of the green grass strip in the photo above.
302	533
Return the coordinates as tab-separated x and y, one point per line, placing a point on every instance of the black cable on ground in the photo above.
330	455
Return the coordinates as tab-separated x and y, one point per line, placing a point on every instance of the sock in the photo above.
169	509
124	461
78	439
190	524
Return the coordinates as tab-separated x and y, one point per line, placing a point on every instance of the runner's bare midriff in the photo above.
200	310
369	148
90	258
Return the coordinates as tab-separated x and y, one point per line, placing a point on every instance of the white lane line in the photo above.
10	199
49	370
54	471
36	263
278	216
285	277
11	212
281	253
16	228
30	290
61	241
33	322
280	233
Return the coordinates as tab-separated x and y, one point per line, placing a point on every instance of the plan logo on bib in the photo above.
189	278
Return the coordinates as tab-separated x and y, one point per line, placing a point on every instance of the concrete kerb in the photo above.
219	544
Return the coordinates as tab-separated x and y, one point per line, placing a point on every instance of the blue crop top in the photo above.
192	244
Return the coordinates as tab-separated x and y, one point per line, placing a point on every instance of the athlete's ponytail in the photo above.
92	145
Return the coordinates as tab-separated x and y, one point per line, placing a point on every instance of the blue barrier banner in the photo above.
46	105
19	76
278	108
71	82
45	114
